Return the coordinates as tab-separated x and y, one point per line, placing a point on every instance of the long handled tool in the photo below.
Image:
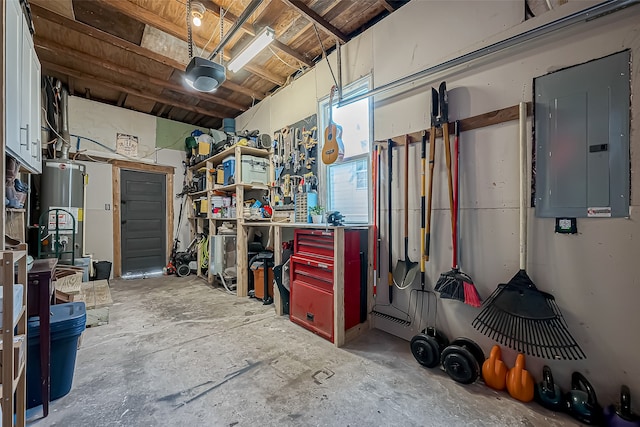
432	155
389	218
374	180
406	270
517	314
454	284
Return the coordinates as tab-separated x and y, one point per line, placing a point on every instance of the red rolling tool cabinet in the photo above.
314	270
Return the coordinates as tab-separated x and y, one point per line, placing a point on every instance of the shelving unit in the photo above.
14	386
241	191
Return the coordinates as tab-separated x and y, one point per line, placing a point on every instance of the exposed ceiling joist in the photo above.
386	5
121	99
143	15
43	44
145	95
314	17
229	17
87	30
286	49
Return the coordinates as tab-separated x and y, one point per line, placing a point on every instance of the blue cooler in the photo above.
67	323
229	165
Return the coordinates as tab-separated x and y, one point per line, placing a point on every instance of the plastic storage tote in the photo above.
255	170
68	321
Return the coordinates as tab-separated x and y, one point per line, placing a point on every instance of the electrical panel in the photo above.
582	140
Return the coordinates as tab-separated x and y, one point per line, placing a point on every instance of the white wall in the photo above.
102	122
591	274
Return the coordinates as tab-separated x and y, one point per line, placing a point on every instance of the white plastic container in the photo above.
255	170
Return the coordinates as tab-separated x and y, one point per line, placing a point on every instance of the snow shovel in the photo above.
406	270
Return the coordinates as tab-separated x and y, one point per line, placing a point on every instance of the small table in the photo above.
39	293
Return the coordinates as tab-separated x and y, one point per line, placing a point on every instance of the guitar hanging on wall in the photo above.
333	149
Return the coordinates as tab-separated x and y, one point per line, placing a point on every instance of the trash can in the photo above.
67	323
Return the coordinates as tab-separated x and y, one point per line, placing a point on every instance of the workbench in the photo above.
283	232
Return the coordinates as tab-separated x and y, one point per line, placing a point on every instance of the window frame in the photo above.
354	88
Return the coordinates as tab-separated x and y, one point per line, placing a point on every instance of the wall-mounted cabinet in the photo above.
22	82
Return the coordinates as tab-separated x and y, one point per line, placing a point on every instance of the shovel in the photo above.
406	270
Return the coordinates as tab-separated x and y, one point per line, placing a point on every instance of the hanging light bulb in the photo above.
197	13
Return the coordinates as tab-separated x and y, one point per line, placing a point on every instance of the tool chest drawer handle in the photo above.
310	317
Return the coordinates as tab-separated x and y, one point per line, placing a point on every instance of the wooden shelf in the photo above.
225	188
223	219
198	193
218	158
13	399
15	209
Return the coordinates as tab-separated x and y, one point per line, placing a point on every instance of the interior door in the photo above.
143	223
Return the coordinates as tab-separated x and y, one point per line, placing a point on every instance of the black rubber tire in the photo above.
183	270
460	364
426	350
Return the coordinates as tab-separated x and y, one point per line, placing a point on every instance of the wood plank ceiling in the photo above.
132	53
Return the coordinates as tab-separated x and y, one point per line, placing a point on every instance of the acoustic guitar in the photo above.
331	149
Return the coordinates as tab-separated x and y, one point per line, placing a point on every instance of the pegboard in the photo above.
295	159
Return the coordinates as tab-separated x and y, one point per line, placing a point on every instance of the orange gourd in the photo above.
494	371
520	384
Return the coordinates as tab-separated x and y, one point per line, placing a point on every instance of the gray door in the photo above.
143	222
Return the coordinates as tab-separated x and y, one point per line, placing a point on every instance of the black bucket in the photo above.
102	270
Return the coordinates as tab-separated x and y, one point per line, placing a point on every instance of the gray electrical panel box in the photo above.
582	139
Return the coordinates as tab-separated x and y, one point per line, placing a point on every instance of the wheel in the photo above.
426	349
183	270
462	360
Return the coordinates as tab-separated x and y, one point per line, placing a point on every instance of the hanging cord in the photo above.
203	247
189	32
324	53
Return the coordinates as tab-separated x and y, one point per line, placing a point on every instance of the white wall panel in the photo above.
591	274
102	122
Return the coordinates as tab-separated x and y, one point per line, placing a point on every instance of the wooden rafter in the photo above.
229	17
314	17
144	95
44	44
386	5
87	30
143	15
121	99
289	51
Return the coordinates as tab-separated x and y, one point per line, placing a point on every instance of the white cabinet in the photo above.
22	101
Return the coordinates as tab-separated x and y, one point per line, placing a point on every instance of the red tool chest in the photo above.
312	280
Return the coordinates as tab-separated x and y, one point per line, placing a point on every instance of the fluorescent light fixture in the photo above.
261	40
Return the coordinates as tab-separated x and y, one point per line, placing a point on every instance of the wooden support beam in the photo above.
87	30
121	100
72	89
314	17
87	93
160	112
386	5
229	17
491	118
143	15
44	44
286	49
145	95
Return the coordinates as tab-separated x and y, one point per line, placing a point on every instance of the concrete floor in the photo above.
180	353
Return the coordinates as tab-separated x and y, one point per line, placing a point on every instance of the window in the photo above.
348	180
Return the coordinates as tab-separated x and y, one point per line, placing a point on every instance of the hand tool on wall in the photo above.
374	180
517	314
389	217
406	270
455	284
435	111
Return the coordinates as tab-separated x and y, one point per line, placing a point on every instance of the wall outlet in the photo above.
107	207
